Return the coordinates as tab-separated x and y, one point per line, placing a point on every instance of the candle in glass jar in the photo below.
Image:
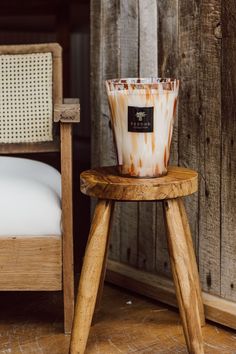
142	115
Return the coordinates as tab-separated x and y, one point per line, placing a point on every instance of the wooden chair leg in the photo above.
184	276
90	276
67	222
68	298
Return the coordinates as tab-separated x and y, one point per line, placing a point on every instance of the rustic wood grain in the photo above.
148	67
67	223
168	59
90	276
36	330
26	148
114	244
110	68
105	64
184	277
55	48
106	183
190	46
188	124
31	263
162	334
228	158
188	237
95	81
210	148
147	238
67	112
148	58
160	288
129	67
104	265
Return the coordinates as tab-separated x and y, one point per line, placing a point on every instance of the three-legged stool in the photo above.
106	185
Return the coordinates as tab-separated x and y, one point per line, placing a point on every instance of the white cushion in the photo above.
30	198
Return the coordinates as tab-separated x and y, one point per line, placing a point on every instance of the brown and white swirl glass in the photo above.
142	117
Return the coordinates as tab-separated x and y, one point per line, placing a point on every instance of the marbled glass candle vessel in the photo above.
142	116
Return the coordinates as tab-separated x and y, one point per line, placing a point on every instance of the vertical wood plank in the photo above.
168	54
105	63
228	162
210	145
114	243
95	79
189	115
111	68
148	60
168	57
129	32
148	38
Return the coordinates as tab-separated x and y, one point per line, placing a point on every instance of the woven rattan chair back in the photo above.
30	86
26	98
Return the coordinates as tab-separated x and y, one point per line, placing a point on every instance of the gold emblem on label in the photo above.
140	116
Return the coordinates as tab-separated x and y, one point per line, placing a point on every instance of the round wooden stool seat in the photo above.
106	183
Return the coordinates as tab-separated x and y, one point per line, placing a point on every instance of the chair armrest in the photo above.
67	112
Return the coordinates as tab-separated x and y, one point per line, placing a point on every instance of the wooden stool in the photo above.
106	185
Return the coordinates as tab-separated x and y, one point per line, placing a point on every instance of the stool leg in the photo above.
184	277
193	260
90	276
104	266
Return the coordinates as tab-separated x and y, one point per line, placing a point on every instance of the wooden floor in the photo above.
32	323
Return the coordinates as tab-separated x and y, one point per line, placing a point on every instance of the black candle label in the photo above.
140	119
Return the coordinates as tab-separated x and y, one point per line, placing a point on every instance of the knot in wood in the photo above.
218	31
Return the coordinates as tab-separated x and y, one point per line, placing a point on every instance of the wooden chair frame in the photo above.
45	263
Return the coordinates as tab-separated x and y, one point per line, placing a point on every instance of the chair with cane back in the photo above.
36	231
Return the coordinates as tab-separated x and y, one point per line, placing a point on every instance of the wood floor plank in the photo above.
32	323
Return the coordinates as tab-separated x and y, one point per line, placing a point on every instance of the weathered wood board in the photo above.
228	157
129	36
188	124
167	67
180	39
210	147
105	63
148	66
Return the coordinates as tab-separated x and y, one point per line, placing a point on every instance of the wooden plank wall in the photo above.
194	40
228	156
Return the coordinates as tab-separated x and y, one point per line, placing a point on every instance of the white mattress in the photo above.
30	198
